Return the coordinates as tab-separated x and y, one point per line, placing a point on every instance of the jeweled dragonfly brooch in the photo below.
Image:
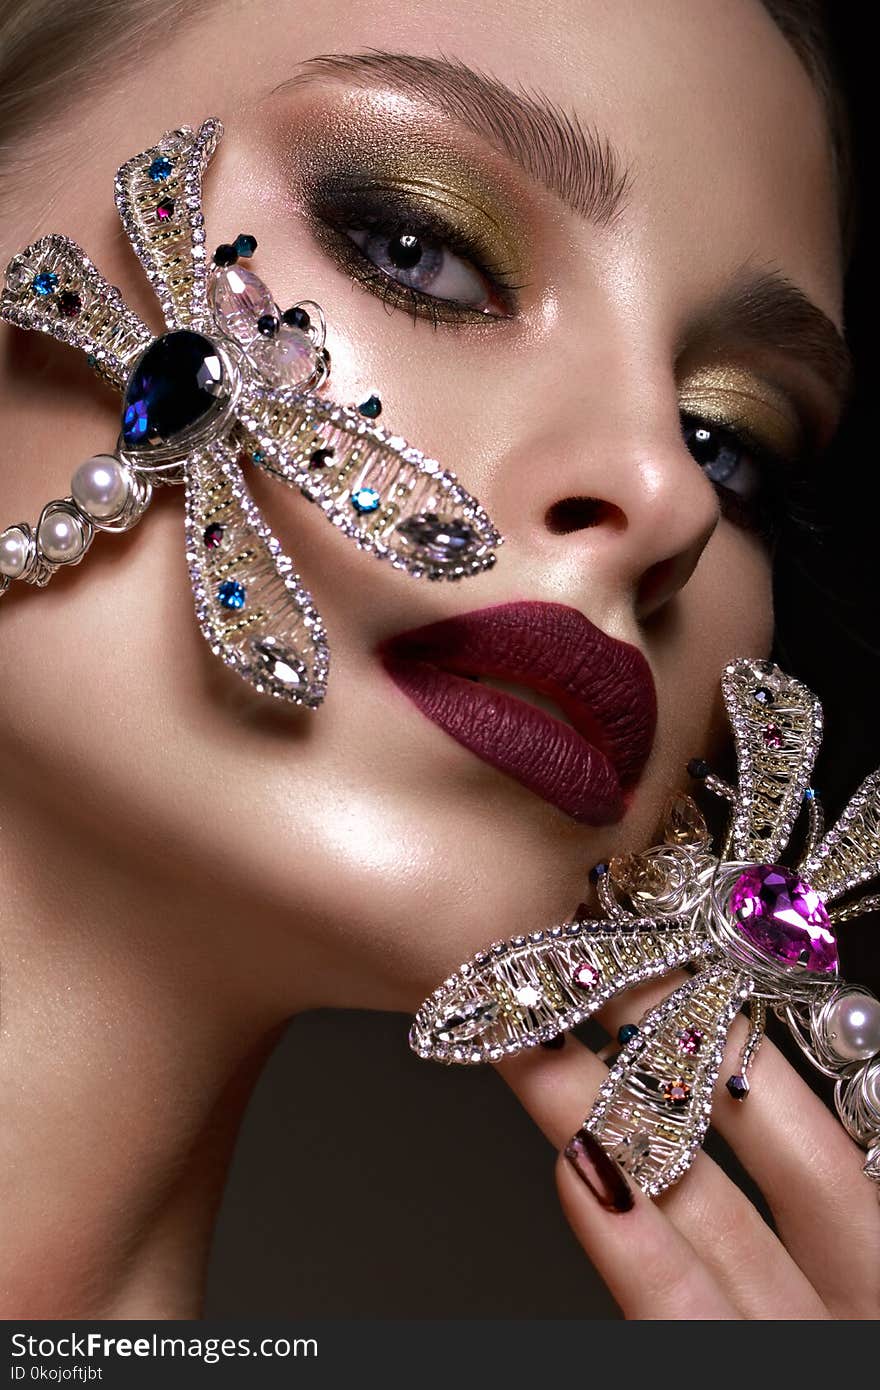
752	932
232	382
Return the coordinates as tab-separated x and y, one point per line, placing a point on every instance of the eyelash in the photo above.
336	222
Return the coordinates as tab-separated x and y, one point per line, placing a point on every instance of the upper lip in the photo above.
604	686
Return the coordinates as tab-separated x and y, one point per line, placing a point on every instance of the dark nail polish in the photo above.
599	1172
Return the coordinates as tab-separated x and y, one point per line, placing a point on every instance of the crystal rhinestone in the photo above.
267	325
365	499
683	823
763	696
598	871
641	878
14	548
527	996
278	665
809	794
288	358
45	283
698	768
371	407
738	1086
436	539
160	168
676	1092
244	245
176	383
165	210
297	318
460	1022
782	916
320	456
626	1032
772	736
689	1040
212	535
69	304
225	254
231	594
585	975
238	300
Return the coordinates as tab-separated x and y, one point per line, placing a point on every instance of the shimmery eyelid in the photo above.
729	396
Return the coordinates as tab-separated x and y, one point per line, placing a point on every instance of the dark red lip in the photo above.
602	685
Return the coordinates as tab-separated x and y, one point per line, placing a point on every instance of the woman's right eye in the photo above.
426	267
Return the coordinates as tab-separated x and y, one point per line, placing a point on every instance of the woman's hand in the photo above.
701	1250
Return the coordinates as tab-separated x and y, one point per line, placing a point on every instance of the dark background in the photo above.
367	1183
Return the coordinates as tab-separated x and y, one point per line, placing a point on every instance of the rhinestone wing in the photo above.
526	990
653	1110
252	606
777	727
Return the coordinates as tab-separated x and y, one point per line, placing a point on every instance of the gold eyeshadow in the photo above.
388	145
732	397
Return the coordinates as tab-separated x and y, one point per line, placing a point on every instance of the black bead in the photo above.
296	318
320	457
763	695
554	1044
245	245
225	254
267	325
598	871
371	407
698	768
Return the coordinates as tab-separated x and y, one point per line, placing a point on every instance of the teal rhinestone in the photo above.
365	499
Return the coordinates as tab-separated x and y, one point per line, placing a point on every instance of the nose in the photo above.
615	499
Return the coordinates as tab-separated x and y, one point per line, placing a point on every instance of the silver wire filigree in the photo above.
373	487
670	907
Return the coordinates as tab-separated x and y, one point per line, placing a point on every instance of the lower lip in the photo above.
541	753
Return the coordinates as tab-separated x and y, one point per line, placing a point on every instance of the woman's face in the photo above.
556	356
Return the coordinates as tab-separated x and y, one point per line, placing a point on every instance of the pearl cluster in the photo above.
106	494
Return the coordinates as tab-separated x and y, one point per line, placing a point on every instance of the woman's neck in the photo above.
125	1066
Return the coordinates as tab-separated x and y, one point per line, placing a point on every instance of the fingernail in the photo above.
599	1172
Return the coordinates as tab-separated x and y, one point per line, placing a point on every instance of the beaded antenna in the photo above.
232	382
753	932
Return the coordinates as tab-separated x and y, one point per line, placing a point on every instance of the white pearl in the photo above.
13	553
100	487
852	1026
61	536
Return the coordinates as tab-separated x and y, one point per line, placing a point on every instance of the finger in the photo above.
649	1267
809	1170
557	1089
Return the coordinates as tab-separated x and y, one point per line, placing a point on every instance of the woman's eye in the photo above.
726	459
426	267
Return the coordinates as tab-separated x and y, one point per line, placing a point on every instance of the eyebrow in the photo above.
766	310
576	163
586	171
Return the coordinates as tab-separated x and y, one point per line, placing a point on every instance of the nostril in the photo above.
579	513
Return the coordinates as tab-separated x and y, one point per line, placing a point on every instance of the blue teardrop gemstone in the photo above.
175	384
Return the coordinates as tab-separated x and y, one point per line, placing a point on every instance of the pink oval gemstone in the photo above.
784	917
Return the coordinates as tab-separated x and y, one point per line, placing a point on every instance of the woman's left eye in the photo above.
748	478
